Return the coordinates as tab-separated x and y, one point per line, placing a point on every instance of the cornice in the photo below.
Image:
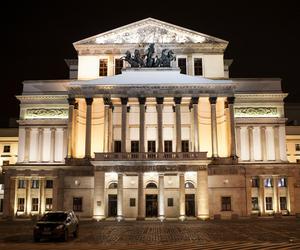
43	98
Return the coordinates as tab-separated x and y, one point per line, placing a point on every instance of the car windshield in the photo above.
54	217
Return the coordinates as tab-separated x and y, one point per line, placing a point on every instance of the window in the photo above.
282	182
182	65
255	182
35	184
198	67
113	185
283	205
170	202
77	204
269	203
1	186
35	204
6	149
117	146
21	202
151	146
185	146
151	185
118	66
226	203
103	67
48	204
5	163
21	184
189	184
268	182
254	203
134	146
297	147
49	183
1	205
168	146
132	202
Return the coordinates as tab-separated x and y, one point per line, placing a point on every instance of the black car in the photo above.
56	225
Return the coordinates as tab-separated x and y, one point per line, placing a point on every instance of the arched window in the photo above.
113	185
189	184
151	185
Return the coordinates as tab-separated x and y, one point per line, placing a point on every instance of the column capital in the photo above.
76	105
195	100
142	100
230	99
107	101
89	100
71	101
124	100
177	100
159	100
213	99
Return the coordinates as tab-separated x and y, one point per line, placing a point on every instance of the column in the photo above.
88	128
46	144
177	101
238	141
161	198
52	146
71	101
230	101
28	197
141	197
159	108
276	143
27	144
58	191
202	195
195	101
110	128
34	140
99	191
74	136
142	101
261	195
214	135
106	101
124	101
120	215
10	199
42	200
59	145
251	147
263	143
181	197
290	194
276	204
21	144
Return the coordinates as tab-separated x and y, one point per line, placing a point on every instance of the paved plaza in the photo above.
235	234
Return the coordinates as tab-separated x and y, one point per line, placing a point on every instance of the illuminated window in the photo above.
226	203
297	147
254	203
103	67
48	204
185	146
182	65
21	202
198	67
77	204
269	203
132	202
268	182
35	184
188	184
6	149
113	185
118	66
282	182
21	184
255	182
35	204
170	202
283	205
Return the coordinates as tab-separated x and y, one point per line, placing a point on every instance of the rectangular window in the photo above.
170	202
134	146
117	146
269	203
118	66
255	182
283	205
185	146
151	146
1	205
77	204
35	204
226	203
297	147
132	202
6	149
254	203
48	204
49	184
35	184
268	182
198	67
21	202
168	146
182	65
103	67
282	182
21	184
5	163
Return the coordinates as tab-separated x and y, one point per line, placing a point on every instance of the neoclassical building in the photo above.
127	140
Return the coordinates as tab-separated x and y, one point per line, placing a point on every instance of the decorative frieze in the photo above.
43	113
256	112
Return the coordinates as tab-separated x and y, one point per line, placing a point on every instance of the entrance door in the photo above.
112	205
151	205
190	205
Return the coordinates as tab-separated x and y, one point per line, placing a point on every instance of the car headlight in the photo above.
60	227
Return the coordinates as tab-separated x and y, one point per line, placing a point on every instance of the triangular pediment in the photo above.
150	30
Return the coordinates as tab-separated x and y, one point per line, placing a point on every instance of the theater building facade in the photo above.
133	137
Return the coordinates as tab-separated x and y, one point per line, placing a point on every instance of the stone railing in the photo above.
151	156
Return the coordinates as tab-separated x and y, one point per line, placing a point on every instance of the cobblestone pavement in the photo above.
234	234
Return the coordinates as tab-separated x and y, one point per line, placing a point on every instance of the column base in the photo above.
182	217
120	218
140	218
161	218
98	217
203	217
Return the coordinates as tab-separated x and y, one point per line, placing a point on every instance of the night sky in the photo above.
37	36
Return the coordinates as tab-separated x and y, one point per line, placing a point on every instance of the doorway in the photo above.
151	205
112	205
190	205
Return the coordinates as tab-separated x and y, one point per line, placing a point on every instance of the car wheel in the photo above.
75	233
66	235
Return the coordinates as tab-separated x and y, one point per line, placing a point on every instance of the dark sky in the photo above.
38	35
